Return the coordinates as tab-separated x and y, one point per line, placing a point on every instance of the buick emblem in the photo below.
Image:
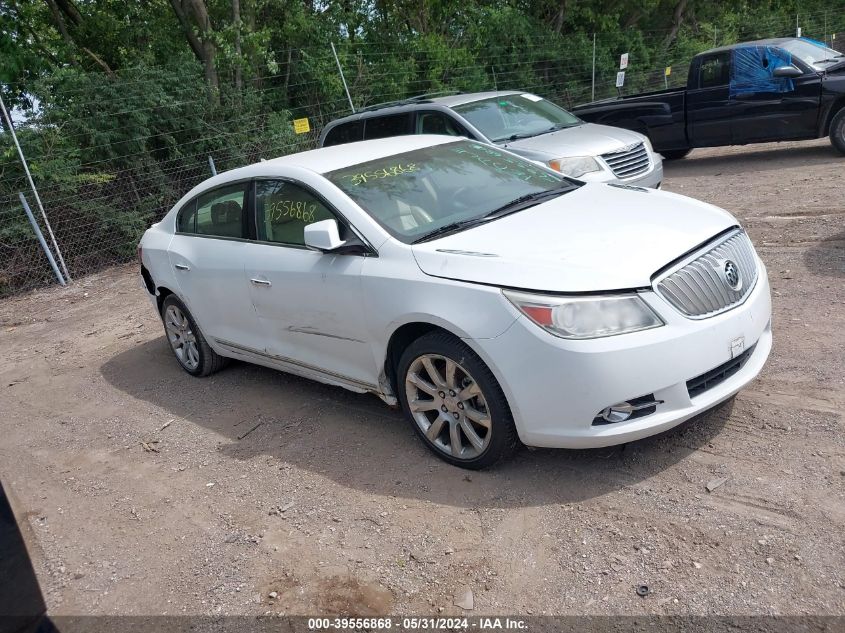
732	276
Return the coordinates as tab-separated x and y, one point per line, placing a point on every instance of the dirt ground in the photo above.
142	490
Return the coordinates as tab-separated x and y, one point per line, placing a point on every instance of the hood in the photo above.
587	139
838	68
598	237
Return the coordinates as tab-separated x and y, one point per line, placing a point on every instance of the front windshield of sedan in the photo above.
508	117
418	192
812	53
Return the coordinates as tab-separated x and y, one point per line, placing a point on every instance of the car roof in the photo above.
772	41
470	97
326	159
403	106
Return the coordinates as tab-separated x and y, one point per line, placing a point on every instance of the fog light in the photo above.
622	411
618	412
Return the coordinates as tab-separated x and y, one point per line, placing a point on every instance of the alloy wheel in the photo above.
448	406
182	339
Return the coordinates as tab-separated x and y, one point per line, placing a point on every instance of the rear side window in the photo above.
715	70
345	133
220	212
186	221
385	126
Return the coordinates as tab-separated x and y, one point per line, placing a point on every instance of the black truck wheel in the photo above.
837	131
675	154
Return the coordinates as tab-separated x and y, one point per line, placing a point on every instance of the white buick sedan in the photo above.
495	300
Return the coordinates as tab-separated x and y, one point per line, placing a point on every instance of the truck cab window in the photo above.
715	70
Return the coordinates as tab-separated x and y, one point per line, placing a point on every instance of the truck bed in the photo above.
659	114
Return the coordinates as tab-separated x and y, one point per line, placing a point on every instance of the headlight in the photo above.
647	144
586	317
575	165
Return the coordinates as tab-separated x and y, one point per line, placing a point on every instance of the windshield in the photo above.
509	117
415	193
811	53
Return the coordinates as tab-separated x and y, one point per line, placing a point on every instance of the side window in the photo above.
345	133
186	221
438	123
385	126
283	209
715	70
220	212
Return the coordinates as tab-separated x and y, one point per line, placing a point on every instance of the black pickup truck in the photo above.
769	90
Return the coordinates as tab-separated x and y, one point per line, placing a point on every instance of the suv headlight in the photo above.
575	165
586	317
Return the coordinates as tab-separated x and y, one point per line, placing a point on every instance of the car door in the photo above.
207	253
709	104
309	303
770	108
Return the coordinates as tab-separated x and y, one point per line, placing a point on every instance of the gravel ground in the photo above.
141	490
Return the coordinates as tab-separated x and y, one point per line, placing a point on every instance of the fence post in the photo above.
32	186
342	78
211	166
40	237
593	91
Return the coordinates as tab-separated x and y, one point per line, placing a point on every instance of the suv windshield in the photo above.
811	53
422	192
511	117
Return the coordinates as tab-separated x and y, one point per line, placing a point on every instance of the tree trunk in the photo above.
236	20
62	9
677	20
203	45
561	16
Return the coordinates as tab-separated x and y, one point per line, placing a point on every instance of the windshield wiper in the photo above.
517	137
450	228
517	204
528	200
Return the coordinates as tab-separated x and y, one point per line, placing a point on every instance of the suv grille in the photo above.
628	162
702	288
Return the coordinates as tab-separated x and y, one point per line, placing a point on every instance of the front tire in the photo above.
675	154
837	131
186	340
454	402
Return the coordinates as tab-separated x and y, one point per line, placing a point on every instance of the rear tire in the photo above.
454	403
675	154
837	131
186	340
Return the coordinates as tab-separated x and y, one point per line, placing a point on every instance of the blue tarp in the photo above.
753	68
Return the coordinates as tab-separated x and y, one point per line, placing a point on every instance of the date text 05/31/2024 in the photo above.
418	623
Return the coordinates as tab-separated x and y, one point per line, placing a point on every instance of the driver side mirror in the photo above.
790	71
323	236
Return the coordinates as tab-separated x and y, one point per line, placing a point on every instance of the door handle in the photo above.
181	267
261	282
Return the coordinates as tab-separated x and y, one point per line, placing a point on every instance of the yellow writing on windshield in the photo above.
385	172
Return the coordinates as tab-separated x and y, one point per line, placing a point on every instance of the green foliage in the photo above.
122	111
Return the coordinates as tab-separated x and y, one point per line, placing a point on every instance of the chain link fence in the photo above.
101	194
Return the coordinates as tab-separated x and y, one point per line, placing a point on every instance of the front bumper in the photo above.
556	387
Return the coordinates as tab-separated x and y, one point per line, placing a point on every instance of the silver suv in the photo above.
520	122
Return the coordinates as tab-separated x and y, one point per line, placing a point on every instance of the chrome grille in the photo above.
628	162
700	288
